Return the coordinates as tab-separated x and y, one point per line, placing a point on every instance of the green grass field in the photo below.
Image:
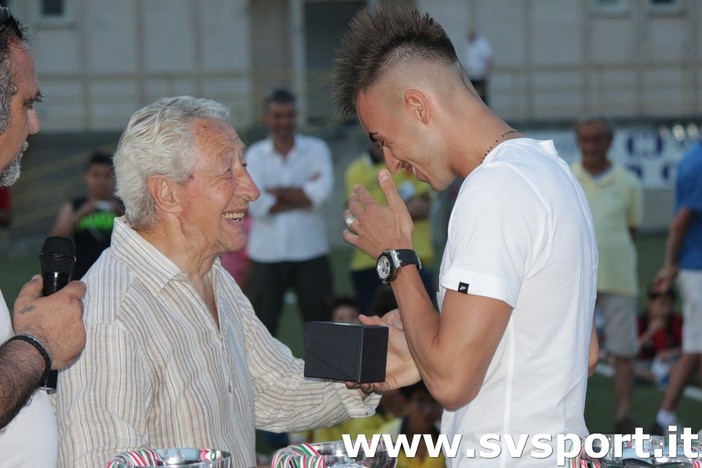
600	399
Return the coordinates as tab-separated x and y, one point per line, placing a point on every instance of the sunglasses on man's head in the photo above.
10	22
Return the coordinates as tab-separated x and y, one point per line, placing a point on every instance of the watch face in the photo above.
383	267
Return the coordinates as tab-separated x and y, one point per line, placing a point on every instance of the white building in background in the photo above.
100	60
636	61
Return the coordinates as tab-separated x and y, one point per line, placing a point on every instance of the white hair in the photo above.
158	140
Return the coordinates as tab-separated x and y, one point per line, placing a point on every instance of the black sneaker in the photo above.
657	429
625	426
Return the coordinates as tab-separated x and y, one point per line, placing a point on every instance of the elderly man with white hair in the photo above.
175	356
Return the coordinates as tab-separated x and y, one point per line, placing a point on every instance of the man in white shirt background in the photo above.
288	245
478	62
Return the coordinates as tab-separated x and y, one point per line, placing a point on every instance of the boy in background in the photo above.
422	417
88	219
660	338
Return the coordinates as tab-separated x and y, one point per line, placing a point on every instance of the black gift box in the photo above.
346	352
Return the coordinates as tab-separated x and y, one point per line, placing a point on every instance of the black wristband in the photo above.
40	347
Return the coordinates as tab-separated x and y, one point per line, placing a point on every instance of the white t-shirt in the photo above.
31	439
521	231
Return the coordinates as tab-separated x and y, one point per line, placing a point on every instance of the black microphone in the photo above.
57	258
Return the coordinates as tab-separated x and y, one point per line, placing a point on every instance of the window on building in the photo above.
608	3
665	6
54	13
609	7
53	8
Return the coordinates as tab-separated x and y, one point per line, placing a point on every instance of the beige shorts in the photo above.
690	284
619	313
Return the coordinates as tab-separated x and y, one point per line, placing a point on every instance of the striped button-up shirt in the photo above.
157	371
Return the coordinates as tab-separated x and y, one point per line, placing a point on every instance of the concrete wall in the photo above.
554	59
108	58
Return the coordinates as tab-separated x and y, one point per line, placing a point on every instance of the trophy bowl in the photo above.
328	454
653	451
173	457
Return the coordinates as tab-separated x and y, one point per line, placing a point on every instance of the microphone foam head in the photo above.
58	254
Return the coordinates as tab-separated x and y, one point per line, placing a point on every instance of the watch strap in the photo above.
408	257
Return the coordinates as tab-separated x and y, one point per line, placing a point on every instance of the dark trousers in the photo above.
481	87
311	281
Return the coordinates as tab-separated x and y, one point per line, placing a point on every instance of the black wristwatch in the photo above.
392	260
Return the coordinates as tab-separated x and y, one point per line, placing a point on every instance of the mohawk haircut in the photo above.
378	39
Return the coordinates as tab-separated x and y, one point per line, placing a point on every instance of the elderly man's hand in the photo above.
55	320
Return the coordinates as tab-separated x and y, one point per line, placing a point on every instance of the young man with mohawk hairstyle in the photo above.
509	352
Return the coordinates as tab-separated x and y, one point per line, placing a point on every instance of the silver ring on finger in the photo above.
349	221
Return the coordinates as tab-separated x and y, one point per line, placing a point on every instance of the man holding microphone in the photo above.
48	332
